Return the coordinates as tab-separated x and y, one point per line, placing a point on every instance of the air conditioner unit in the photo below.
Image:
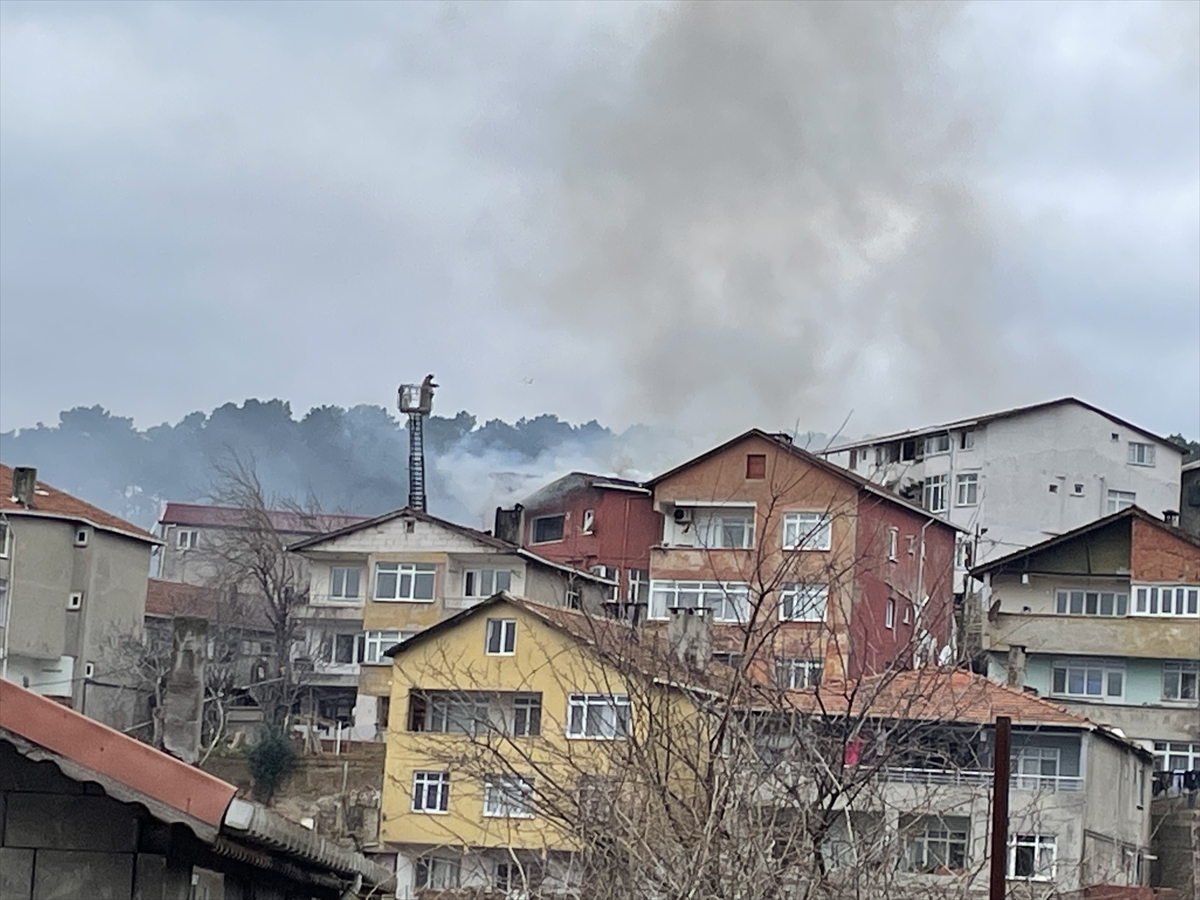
683	514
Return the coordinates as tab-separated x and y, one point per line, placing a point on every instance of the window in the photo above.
527	715
730	658
807	531
1179	680
791	674
1031	856
937	443
893	541
485	582
1077	489
75	600
431	791
966	489
547	529
1141	454
966	439
89	670
1091	603
1119	500
1173	756
1089	678
501	637
729	602
893	453
3	539
597	716
889	614
965	554
756	465
3	601
435	873
878	457
186	539
729	529
1167	600
935	493
345	649
913	450
935	845
589	520
573	598
803	602
376	643
404	581
508	797
81	537
1033	765
639	585
854	460
343	582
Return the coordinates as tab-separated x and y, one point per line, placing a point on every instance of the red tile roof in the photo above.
288	521
113	755
172	598
52	503
934	695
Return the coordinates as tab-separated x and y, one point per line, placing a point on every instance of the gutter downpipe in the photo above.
8	607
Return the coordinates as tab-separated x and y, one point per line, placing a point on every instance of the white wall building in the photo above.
1015	478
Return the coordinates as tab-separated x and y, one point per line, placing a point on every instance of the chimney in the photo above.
689	632
508	523
1171	517
183	700
24	484
1016	666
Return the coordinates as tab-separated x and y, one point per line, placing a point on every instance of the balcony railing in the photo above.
897	775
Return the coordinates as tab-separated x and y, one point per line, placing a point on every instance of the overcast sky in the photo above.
698	216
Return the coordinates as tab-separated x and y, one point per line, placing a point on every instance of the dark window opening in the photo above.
756	465
548	528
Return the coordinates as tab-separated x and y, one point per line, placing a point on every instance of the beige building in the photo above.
72	587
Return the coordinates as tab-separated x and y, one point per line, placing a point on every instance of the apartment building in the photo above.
1012	479
1105	619
598	523
809	570
378	582
193	533
72	585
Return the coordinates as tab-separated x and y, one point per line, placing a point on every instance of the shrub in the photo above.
270	761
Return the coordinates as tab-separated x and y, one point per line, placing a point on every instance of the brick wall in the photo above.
1159	555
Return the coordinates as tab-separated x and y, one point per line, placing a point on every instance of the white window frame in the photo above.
3	601
441	874
533	529
187	538
527	715
1141	454
5	536
721	598
439	784
1031	759
342	596
639	586
709	526
795	673
937	444
615	709
502	633
1118	500
508	797
1107	668
1148	600
1039	843
589	521
376	642
1188	750
937	488
936	830
966	489
889	614
966	439
1183	671
1067	600
75	600
355	654
413	571
83	536
807	530
476	582
803	602
893	543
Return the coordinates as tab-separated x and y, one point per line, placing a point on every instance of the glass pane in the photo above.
1076	603
1153	600
1141	599
423	588
1106	604
1115	680
1180	601
1193	597
338	582
352	582
1122	604
1060	681
1095	682
487	578
385	585
503	580
1062	601
1092	600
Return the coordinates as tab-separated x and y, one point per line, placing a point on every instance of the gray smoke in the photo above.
771	217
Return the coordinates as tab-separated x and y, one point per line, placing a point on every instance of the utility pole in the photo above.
1001	765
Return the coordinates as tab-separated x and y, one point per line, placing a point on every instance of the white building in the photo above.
1015	478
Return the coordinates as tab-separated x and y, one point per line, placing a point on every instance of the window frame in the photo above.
377	642
5	536
812	671
1141	453
711	522
495	784
966	489
1065	598
810	597
531	705
505	632
193	538
889	614
1165	750
938	444
475	591
756	463
1107	667
893	543
1147	599
730	593
415	572
1116	501
562	529
966	439
1037	843
936	486
426	779
810	530
431	882
639	583
617	703
946	831
343	597
1182	668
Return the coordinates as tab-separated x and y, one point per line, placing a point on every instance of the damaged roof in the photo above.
199	515
51	503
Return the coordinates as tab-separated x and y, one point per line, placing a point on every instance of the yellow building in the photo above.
514	724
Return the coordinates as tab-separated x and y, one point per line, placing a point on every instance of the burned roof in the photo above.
167	599
287	521
52	503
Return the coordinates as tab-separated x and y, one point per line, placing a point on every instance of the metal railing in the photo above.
898	775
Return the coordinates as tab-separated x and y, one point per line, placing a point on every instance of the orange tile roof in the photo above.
55	504
108	753
934	695
173	598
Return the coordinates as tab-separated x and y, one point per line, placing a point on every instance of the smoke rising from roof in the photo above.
773	211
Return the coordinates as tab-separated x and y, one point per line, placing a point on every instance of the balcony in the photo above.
1136	636
977	777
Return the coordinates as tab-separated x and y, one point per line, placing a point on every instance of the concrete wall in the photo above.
1189	500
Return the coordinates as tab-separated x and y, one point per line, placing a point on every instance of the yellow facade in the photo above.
545	661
